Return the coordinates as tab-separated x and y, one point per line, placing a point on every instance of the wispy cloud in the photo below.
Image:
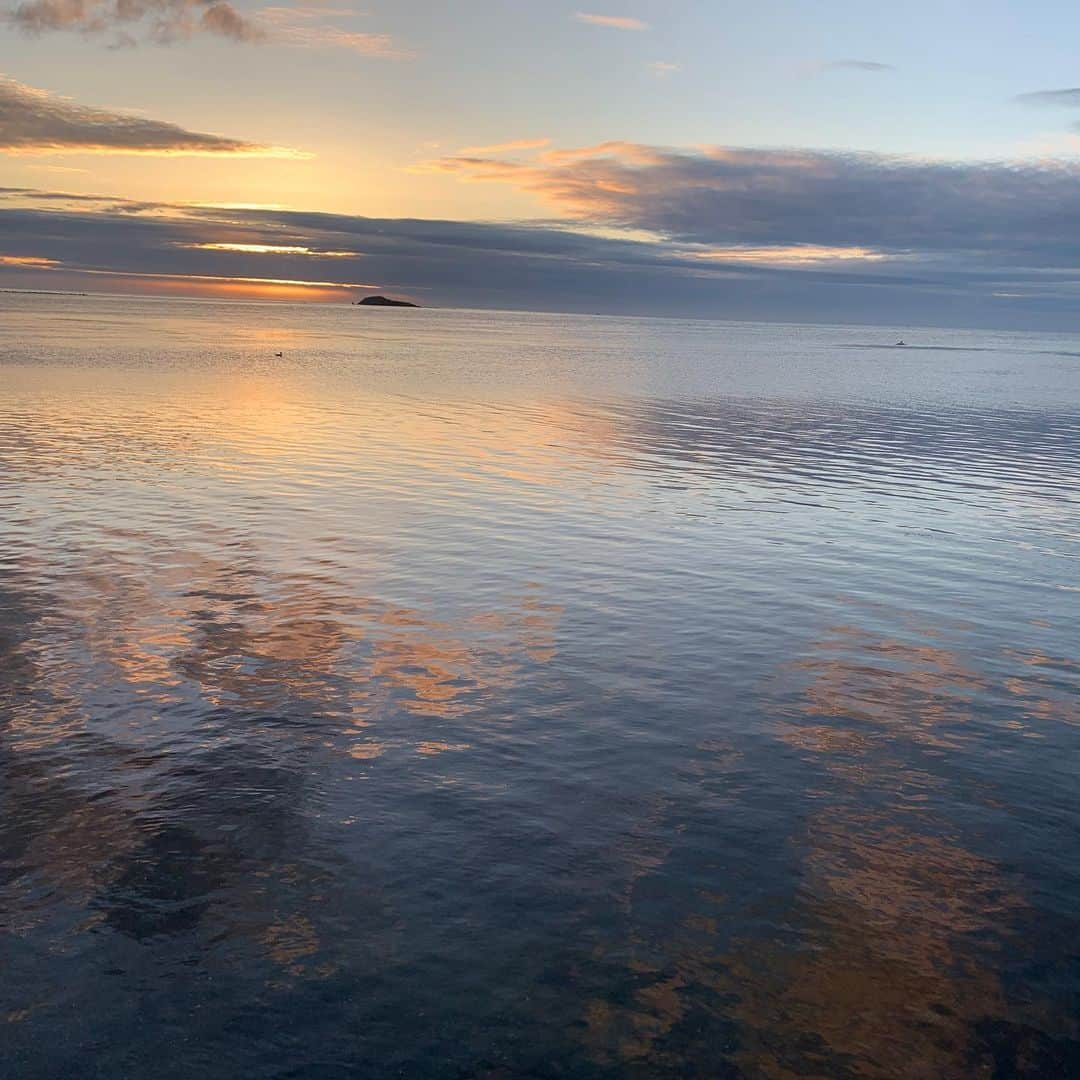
273	249
161	21
315	28
790	255
1068	98
632	153
613	22
28	262
33	121
164	22
857	65
506	147
662	69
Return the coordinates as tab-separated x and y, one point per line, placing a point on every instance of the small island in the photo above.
383	301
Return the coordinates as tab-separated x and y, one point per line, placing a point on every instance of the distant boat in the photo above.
901	343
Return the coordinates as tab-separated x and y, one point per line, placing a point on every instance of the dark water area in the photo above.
490	695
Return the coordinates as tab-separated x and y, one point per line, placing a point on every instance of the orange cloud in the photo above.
236	288
790	255
614	22
211	285
505	147
306	28
304	283
584	182
31	261
274	249
474	168
707	195
633	153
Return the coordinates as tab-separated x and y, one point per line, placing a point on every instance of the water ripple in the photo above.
503	695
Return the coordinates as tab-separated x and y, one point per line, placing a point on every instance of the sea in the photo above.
466	694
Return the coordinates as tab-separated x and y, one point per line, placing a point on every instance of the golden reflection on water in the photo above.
271	432
171	634
294	944
895	918
1046	692
251	601
897	978
156	627
887	983
883	689
892	986
310	642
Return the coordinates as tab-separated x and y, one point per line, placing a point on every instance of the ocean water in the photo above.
469	694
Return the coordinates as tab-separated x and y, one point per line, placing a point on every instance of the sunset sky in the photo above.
835	162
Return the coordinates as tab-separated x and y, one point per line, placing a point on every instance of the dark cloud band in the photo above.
50	240
35	121
1019	214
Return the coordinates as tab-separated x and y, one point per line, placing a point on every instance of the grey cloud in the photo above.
1007	213
858	65
33	120
163	21
222	18
1068	98
542	267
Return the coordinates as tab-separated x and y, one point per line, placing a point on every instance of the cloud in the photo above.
223	19
312	28
1068	98
661	69
791	255
730	196
89	241
164	21
506	147
34	121
719	232
273	249
613	22
633	153
33	262
857	65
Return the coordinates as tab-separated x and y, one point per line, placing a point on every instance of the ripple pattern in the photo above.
480	695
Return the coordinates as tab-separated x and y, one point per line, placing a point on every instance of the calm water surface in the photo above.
493	695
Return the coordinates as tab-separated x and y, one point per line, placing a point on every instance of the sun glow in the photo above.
31	261
216	285
275	249
791	255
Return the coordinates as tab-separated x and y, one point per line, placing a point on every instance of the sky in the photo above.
833	162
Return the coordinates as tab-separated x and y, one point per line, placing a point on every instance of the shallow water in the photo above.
470	694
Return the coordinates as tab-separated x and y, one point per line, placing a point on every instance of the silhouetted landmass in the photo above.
383	301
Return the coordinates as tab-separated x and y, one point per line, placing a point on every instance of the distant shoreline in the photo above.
909	328
51	292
